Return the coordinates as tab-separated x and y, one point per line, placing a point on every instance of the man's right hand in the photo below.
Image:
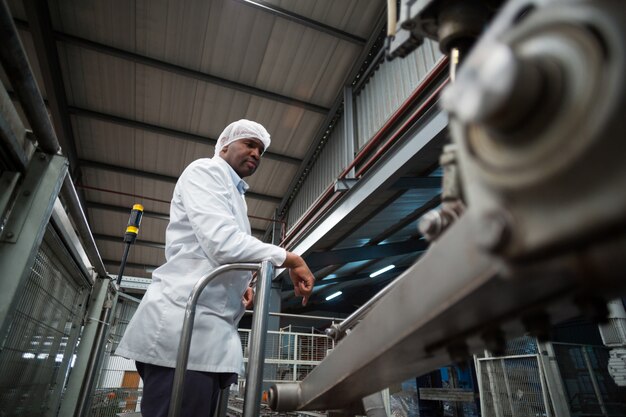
301	276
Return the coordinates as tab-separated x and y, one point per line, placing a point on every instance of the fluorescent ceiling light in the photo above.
380	271
334	295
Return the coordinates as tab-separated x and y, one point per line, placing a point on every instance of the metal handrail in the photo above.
252	403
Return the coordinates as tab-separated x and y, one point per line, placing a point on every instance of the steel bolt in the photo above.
408	25
430	225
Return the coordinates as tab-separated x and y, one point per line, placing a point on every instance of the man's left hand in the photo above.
248	298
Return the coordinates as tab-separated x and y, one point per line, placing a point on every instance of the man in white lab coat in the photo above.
208	227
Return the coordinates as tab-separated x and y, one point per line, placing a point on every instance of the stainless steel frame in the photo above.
433	316
257	343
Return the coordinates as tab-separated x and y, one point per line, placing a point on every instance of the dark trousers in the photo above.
200	396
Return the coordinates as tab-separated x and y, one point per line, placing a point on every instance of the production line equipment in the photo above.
532	226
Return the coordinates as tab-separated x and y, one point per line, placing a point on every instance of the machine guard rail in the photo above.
252	399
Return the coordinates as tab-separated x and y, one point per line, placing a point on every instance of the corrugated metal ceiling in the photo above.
147	81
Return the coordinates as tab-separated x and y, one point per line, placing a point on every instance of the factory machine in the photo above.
532	225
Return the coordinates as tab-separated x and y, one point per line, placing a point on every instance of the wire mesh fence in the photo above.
37	353
118	388
560	379
589	389
290	356
512	387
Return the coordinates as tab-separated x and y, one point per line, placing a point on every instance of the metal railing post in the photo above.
254	380
185	337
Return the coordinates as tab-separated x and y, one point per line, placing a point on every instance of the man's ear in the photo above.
224	149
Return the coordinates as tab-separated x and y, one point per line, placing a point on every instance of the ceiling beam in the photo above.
161	130
344	256
378	208
433	202
129	264
384	276
390	231
126	210
416	214
120	239
160	177
179	70
346	283
146	213
305	21
128	171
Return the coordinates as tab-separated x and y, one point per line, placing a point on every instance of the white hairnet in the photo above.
242	129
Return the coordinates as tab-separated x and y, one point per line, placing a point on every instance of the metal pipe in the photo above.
20	74
254	379
392	12
185	336
68	192
84	399
304	21
337	331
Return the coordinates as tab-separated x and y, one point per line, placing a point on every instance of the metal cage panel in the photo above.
512	387
118	388
37	353
290	356
589	388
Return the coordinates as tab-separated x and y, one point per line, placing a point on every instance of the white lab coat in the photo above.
208	227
